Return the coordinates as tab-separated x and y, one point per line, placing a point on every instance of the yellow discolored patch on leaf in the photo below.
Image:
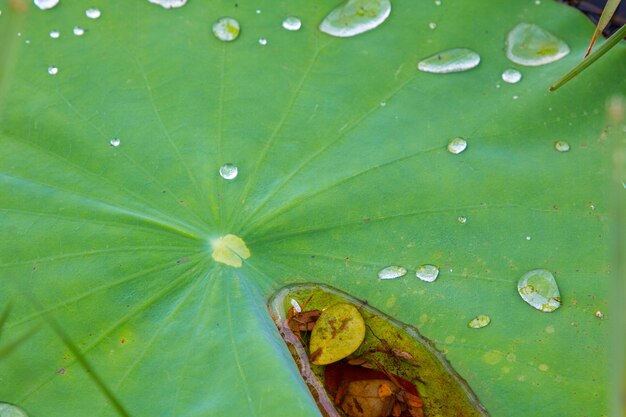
338	332
230	250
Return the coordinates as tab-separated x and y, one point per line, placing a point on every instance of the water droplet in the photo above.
383	103
115	142
437	2
530	45
539	289
229	171
230	250
427	273
528	238
511	76
46	4
258	11
93	13
226	29
538	2
479	321
457	145
598	314
355	17
10	410
262	41
561	146
462	219
53	70
169	4
54	34
543	367
391	272
78	31
432	25
451	60
292	23
296	306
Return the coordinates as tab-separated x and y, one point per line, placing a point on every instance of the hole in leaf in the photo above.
394	371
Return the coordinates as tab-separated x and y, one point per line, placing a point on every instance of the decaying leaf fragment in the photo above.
338	332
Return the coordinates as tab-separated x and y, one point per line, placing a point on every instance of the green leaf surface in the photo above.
343	170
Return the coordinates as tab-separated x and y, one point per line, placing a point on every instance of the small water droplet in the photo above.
451	60
479	321
258	11
462	219
226	29
54	34
292	23
457	145
355	17
530	45
561	146
229	171
538	2
391	272
432	25
93	13
515	97
262	41
598	314
10	410
78	31
427	273
53	70
528	237
383	103
46	4
115	142
511	76
296	306
539	289
169	4
437	2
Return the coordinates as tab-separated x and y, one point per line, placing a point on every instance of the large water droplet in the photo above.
169	4
53	70
115	142
427	273
479	321
511	76
457	145
355	17
561	146
78	31
46	4
530	45
226	29
229	171
230	250
55	34
391	272
451	60
93	13
10	410
539	289
292	23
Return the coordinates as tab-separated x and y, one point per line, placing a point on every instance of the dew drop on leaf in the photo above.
53	70
479	321
432	25
451	60
539	289
229	171
338	332
46	4
115	142
427	273
391	272
93	13
169	4
457	145
78	31
292	23
530	45
262	41
10	410
355	17
561	146
462	219
226	29
54	34
511	76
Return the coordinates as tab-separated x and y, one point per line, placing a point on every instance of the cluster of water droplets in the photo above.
425	272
